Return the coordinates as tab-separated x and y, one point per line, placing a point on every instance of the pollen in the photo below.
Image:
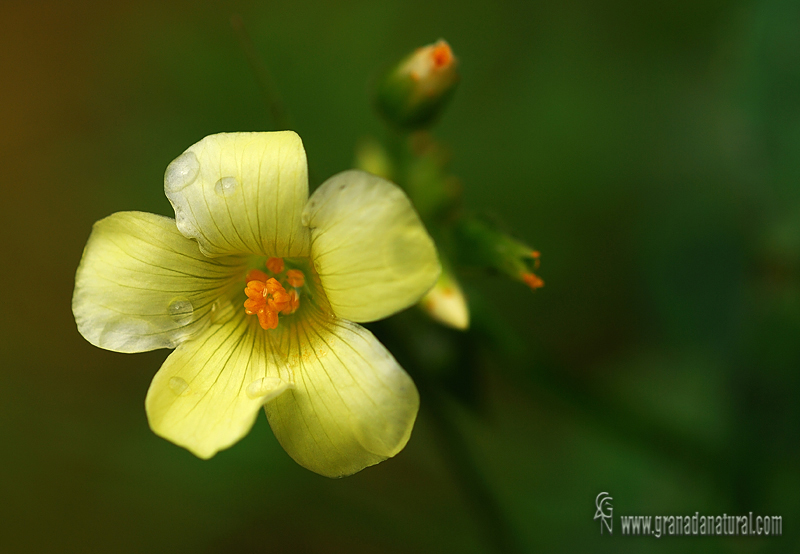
266	299
295	277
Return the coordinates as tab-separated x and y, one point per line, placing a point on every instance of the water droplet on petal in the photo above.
181	310
185	224
226	186
179	386
129	334
182	172
266	388
305	217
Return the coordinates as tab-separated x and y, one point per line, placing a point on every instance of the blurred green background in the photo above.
651	151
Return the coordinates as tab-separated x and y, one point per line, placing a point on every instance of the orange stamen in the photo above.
266	299
294	303
278	302
295	277
275	265
255	289
256	275
532	280
267	318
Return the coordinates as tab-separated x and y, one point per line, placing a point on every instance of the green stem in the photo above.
275	106
452	442
457	455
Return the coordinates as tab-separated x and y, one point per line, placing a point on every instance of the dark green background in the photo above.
650	150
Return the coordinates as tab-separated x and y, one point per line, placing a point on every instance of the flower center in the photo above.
267	295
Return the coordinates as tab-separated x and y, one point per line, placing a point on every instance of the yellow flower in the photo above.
355	251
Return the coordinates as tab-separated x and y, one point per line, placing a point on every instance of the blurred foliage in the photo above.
648	150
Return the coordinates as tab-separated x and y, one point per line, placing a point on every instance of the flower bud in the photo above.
446	302
481	244
413	94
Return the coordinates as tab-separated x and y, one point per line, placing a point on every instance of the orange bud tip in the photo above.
441	55
275	265
532	280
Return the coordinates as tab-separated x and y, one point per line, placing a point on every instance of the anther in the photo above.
256	275
294	303
267	318
275	265
255	289
266	299
295	277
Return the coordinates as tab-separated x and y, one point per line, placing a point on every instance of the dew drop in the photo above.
182	172
305	218
266	388
226	186
179	386
185	224
181	310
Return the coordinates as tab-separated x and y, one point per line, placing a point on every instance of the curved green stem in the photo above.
269	91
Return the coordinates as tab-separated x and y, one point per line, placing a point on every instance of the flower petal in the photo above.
370	248
242	193
141	285
353	406
208	392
